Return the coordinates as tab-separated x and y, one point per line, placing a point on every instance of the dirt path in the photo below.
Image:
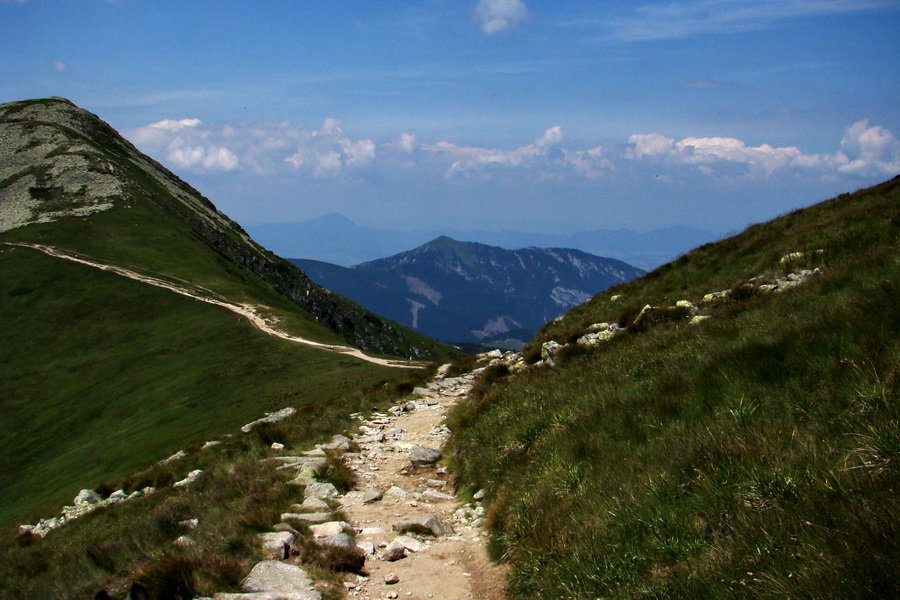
251	312
453	566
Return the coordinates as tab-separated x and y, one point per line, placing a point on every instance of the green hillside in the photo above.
102	374
752	455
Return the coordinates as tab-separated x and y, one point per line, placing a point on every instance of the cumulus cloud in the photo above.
210	158
59	66
865	150
544	156
184	144
407	142
874	150
328	152
497	15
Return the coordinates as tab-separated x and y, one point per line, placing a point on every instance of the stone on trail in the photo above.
395	551
421	456
424	524
312	504
330	528
288	582
321	490
372	495
410	543
316	517
278	545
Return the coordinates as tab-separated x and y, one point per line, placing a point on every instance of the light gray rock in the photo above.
372	495
274	417
425	523
277	577
338	540
394	551
87	497
410	543
278	545
330	528
436	496
368	548
312	504
321	490
316	517
396	492
191	478
421	456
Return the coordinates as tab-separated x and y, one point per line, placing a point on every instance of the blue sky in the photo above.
521	114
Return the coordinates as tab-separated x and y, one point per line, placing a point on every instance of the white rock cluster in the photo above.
85	502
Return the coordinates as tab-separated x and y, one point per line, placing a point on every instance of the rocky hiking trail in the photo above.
399	533
252	313
411	536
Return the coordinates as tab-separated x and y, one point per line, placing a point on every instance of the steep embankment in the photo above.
753	454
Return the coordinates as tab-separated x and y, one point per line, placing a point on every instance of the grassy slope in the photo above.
753	456
103	374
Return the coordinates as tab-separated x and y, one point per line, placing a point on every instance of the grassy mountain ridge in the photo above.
102	374
58	155
754	455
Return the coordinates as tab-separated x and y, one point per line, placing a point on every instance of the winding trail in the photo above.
249	311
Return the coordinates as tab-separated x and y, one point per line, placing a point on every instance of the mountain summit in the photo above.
58	161
468	292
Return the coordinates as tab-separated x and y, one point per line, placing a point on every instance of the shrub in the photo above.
333	558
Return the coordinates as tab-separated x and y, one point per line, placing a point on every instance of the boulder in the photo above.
278	545
372	495
87	497
394	551
425	524
330	528
421	456
321	490
316	517
312	504
283	581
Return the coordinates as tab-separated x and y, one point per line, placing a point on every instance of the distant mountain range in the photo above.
333	238
470	292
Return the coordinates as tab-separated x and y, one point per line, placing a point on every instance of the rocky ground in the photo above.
422	542
403	529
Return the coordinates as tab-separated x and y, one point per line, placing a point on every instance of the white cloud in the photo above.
208	158
407	142
60	67
865	151
497	15
173	125
875	150
328	152
552	137
545	157
648	144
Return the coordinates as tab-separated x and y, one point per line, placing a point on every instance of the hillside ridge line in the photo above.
248	311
